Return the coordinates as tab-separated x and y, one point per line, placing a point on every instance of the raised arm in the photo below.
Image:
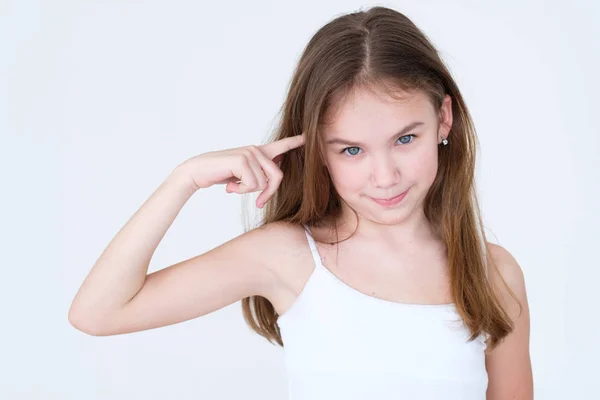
119	296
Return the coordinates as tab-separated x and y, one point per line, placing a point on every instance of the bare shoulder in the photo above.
281	242
289	262
506	271
509	364
507	265
274	246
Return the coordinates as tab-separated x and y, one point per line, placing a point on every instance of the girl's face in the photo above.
382	153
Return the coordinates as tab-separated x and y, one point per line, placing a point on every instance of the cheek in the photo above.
347	176
425	165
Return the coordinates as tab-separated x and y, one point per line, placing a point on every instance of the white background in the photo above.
100	100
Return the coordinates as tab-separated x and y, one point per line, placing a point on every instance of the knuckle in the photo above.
248	188
251	150
252	184
242	158
247	152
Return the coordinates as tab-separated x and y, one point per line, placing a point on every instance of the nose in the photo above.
386	173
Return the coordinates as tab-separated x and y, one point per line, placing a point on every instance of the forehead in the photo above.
364	110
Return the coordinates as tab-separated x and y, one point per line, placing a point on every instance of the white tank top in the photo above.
340	343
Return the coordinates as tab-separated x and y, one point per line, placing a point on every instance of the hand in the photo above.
243	169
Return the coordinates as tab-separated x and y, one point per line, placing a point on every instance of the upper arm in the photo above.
200	285
509	364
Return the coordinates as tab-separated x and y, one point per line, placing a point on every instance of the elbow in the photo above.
85	323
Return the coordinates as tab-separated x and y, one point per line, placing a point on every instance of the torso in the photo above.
344	345
417	274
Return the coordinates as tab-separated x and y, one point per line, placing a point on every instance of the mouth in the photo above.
392	201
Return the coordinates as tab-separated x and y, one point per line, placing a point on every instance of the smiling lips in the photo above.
391	201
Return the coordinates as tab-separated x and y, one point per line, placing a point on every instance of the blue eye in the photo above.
407	142
354	150
351	151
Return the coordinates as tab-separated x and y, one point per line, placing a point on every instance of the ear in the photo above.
445	115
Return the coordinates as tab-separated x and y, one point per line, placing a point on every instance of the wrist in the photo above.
181	178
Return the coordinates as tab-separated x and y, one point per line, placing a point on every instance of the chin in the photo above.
382	215
392	215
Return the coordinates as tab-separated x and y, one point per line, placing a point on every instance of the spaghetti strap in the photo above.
313	247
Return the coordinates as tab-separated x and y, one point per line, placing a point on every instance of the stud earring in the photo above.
444	141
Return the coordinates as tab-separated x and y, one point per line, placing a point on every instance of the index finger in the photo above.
281	146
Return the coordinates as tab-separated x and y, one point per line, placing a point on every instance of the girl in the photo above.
371	266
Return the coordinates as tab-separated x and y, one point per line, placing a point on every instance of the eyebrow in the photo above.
351	143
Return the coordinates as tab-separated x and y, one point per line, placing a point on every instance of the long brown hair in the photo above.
382	48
